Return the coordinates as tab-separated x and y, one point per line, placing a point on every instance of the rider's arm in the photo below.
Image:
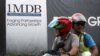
75	46
54	44
91	44
94	51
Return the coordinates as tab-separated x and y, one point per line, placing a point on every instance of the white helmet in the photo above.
86	53
49	55
78	17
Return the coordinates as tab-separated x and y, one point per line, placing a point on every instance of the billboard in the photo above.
89	8
26	26
19	29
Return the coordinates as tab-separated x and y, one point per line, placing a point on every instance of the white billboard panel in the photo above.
26	26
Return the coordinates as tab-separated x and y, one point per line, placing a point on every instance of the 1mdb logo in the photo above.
24	10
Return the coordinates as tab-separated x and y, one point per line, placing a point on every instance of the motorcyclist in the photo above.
62	26
87	45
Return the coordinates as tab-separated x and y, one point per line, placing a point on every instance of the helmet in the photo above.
86	53
62	22
48	54
53	23
67	24
78	17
